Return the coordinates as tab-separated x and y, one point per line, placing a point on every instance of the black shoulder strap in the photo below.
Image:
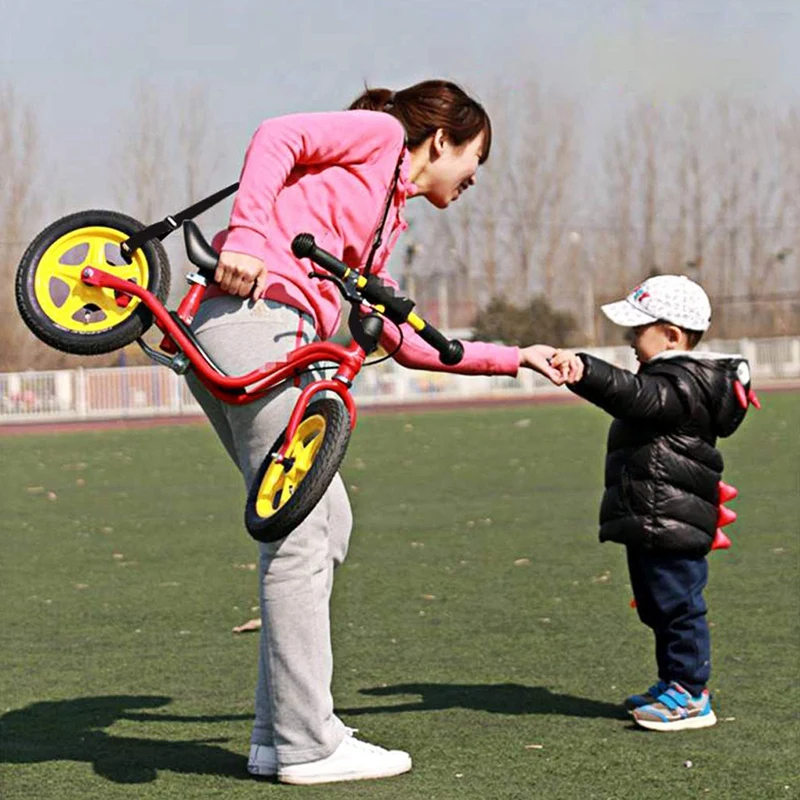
160	230
376	242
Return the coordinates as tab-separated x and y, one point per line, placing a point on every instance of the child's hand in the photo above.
569	365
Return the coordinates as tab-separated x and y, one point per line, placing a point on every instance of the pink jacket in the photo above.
328	174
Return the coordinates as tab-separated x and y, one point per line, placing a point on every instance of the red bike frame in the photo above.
242	389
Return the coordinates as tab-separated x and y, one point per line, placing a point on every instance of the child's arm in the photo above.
627	396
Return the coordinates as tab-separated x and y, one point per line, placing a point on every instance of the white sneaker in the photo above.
263	761
353	760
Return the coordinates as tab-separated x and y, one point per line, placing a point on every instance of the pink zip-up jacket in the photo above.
329	174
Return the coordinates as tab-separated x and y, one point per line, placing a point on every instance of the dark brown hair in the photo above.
425	107
692	337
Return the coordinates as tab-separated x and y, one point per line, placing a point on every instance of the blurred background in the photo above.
630	138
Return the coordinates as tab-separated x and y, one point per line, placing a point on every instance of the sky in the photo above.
79	63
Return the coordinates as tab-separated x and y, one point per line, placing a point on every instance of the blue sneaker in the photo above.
648	697
676	710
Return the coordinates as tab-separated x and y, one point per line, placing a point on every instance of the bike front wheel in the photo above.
284	493
67	314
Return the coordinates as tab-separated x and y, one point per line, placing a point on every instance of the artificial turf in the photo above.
477	621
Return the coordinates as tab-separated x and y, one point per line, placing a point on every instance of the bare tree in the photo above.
198	147
20	161
143	176
21	168
506	239
167	161
169	155
707	190
539	172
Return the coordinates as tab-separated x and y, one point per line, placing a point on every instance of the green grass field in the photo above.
477	621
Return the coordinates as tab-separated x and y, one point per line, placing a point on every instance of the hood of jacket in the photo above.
717	376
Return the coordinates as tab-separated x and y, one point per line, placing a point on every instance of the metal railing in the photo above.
125	392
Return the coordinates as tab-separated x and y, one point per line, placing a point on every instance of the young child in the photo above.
662	478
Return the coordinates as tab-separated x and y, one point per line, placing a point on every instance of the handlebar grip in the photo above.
398	309
304	246
451	351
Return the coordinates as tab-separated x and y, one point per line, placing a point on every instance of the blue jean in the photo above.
669	599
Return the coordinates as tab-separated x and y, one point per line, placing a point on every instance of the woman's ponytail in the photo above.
426	107
374	100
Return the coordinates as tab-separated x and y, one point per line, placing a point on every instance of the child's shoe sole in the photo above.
690	723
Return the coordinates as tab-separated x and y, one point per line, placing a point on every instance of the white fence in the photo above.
125	392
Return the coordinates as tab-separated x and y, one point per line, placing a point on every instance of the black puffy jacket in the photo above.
662	467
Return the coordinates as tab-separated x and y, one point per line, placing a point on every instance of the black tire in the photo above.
42	312
308	491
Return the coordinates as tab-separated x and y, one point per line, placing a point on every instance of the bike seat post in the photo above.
191	302
187	308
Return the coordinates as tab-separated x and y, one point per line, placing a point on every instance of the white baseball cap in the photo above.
668	298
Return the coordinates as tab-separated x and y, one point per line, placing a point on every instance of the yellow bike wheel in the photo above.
282	479
284	493
67	314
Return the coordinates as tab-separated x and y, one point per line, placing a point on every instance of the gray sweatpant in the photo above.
293	705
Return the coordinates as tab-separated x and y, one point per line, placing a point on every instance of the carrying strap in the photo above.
160	230
377	240
354	320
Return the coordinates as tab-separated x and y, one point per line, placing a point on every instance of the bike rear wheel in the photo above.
284	493
64	312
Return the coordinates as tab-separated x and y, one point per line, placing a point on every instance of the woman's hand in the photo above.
238	273
537	357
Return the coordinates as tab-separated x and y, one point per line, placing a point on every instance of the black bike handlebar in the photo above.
396	308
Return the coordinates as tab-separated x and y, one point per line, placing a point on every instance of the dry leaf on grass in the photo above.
250	625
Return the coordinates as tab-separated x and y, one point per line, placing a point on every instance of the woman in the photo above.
338	176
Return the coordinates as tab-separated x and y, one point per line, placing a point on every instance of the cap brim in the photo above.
625	314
